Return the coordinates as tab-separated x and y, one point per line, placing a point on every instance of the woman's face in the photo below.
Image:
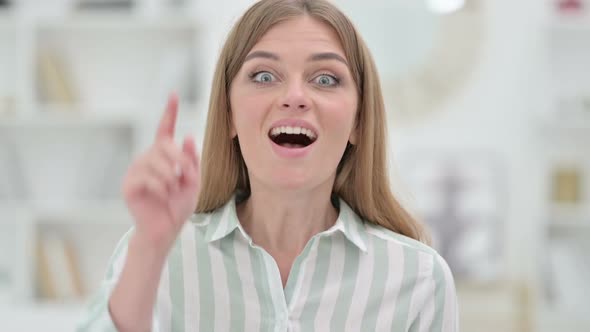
293	106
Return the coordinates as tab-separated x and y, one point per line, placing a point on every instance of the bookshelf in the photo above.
81	93
563	131
8	59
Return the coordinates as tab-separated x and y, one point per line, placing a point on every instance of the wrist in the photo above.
147	248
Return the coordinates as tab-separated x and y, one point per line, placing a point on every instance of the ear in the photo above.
354	131
352	139
232	128
232	131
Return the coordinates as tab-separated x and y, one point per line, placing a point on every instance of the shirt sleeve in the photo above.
97	316
446	309
436	299
439	308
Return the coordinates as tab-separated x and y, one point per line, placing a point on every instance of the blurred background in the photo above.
489	118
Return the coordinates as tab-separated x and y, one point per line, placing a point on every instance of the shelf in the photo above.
116	22
110	212
84	212
570	225
560	131
561	320
569	213
59	116
565	125
69	151
67	117
41	316
569	25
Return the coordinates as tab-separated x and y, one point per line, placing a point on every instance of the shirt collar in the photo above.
223	221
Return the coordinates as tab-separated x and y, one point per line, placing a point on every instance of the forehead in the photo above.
301	30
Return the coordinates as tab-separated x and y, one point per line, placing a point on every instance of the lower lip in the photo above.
285	152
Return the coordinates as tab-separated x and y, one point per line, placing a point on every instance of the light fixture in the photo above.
445	6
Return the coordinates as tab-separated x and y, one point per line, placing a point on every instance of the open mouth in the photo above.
292	137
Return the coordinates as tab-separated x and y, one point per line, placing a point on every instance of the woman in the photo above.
291	222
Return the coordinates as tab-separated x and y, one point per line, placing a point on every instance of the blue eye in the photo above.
262	77
327	80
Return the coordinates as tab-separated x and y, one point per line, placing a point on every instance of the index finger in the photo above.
168	121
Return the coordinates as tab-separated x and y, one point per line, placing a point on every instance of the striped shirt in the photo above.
355	276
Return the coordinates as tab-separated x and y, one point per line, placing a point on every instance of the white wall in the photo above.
494	112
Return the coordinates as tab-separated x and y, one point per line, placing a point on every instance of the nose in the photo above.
295	97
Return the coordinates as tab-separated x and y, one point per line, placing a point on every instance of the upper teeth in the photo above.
293	130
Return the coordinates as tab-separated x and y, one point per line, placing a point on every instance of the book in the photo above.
58	274
566	185
45	283
55	84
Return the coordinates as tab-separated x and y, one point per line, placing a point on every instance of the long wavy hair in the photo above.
362	178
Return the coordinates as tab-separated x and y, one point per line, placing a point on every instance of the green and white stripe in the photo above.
353	277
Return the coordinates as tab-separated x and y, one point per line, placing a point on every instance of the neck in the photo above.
285	221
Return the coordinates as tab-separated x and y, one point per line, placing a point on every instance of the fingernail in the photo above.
177	170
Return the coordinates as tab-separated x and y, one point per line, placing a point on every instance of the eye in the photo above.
262	77
327	80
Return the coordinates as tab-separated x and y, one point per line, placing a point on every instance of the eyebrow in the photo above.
313	57
263	55
327	56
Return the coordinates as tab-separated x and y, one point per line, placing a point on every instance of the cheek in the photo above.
339	115
247	113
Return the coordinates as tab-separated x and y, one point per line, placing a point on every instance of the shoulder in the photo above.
428	262
425	271
382	234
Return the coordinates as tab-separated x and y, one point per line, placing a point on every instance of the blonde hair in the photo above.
362	180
